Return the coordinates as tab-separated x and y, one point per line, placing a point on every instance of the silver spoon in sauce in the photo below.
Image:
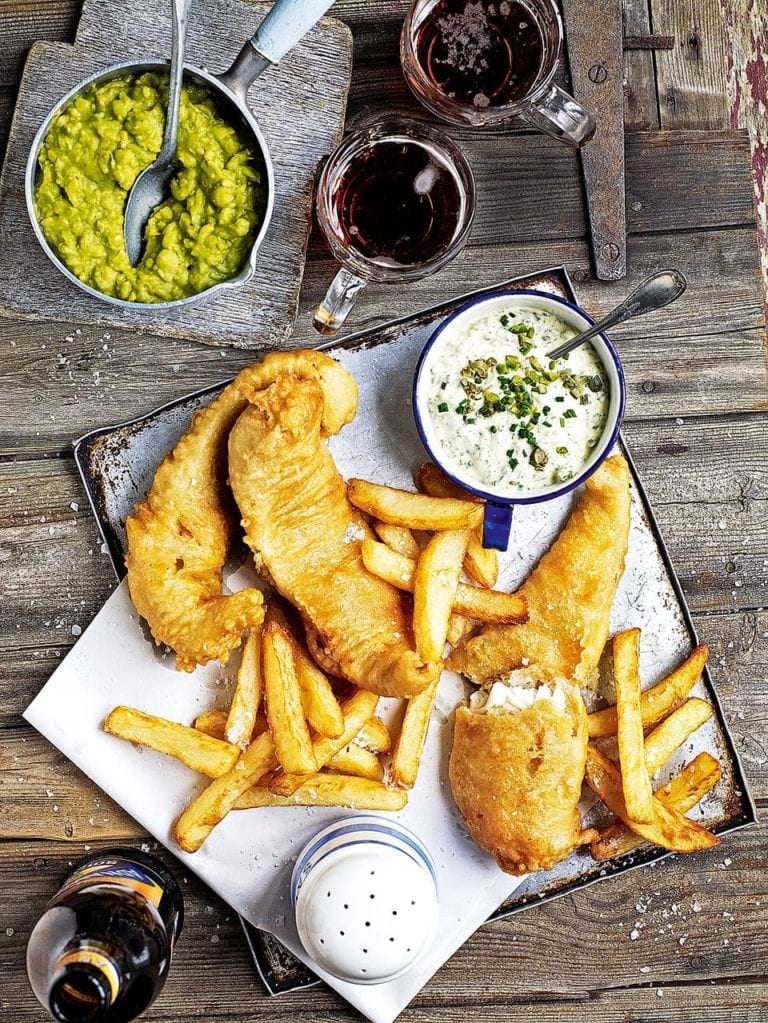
151	186
655	292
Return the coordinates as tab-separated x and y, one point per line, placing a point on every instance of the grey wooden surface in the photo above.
697	427
299	105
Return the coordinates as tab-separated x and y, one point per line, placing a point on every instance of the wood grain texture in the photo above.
641	101
308	89
747	39
690	76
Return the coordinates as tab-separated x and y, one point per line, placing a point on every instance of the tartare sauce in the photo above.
506	415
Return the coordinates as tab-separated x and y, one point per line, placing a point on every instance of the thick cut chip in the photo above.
670	735
214	723
681	793
434	590
414	511
669	829
329	790
214	803
374	736
636	782
399	539
357	708
353	759
459	627
202	753
409	745
660	700
481	563
471	601
285	713
248	693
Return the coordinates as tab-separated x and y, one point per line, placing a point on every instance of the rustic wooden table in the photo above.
682	941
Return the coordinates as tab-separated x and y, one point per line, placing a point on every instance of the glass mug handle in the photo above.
344	291
560	116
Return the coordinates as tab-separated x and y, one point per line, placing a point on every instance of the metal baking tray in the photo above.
117	465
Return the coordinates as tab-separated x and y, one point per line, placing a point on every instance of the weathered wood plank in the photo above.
690	77
59	384
7	100
26	21
747	41
641	102
716	973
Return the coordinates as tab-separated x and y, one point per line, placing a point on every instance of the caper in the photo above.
539	458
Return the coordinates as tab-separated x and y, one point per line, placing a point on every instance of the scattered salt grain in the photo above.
634	935
74	506
353	533
76	630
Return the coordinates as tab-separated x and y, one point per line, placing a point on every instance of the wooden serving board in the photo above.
300	105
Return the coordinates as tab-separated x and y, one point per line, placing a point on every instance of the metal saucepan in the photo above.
285	24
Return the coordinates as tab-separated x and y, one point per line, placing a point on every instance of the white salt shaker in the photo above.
364	891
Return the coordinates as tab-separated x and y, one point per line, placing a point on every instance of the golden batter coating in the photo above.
306	535
569	593
178	541
516	778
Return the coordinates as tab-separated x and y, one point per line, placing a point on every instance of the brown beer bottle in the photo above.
102	948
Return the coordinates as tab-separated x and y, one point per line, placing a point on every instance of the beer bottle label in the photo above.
115	871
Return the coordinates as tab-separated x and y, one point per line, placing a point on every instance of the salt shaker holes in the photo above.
342	890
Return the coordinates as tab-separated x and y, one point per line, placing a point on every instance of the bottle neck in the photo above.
86	983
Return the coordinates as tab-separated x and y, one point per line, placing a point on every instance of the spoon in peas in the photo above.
655	292
151	186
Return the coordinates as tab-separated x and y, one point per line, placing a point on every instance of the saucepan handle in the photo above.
496	525
287	22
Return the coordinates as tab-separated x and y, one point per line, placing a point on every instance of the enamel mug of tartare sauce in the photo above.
440	358
364	894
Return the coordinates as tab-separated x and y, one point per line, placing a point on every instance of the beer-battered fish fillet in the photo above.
569	593
178	540
516	774
304	533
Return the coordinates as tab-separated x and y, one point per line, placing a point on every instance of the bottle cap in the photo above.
365	896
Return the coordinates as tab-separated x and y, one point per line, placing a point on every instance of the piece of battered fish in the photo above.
178	541
569	593
305	534
516	771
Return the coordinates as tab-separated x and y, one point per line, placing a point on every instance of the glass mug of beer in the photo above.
485	62
395	203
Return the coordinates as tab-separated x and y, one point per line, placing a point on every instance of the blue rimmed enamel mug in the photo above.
500	503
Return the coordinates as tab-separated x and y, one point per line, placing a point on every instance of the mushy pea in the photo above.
505	414
93	152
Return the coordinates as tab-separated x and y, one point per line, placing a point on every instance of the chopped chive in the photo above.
443	406
570	413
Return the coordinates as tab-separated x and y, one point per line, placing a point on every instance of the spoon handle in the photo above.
655	292
181	9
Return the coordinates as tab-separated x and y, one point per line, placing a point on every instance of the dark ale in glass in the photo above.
102	948
397	204
480	52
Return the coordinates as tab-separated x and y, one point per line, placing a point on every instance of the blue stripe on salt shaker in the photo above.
364	892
